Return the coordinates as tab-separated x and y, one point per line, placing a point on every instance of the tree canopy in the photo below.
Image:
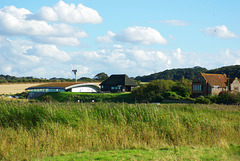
101	76
231	71
173	74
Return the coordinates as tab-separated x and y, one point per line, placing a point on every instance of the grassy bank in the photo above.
87	97
38	130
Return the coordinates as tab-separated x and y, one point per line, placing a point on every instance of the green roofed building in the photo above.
36	91
118	83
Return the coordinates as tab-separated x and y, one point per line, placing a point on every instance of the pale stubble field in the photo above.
15	88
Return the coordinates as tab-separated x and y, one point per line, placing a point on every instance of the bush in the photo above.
229	98
202	100
47	98
153	91
212	98
182	87
86	97
171	95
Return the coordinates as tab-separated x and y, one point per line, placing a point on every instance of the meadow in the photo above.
34	130
13	88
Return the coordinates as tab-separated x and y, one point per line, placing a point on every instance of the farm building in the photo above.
118	83
36	91
212	84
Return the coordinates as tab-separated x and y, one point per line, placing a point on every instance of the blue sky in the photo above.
46	38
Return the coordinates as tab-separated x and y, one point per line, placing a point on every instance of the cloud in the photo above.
25	58
49	52
62	12
123	60
178	54
220	32
107	38
17	25
18	13
174	22
13	22
142	35
230	57
66	41
135	35
22	57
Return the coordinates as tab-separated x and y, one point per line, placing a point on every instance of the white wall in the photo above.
84	89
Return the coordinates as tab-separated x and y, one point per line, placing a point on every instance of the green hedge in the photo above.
86	97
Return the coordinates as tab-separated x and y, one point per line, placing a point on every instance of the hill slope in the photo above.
231	71
173	74
189	73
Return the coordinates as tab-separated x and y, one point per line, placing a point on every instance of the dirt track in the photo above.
15	88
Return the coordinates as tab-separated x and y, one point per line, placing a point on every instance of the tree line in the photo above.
13	79
189	73
173	74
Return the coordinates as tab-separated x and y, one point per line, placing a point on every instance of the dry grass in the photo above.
13	88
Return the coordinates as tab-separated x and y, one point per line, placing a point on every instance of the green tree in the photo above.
182	87
86	79
153	91
101	76
229	98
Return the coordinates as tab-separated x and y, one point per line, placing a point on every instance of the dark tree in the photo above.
173	74
101	76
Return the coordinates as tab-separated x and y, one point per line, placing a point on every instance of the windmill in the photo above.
75	73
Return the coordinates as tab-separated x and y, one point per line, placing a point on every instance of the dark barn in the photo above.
118	83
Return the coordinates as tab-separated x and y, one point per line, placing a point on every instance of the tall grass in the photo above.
36	130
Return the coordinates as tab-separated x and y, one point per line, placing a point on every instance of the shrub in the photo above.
171	95
212	98
228	98
202	100
153	91
182	87
47	98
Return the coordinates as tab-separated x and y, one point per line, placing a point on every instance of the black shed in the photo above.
118	83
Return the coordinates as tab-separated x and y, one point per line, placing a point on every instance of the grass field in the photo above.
13	88
31	131
163	154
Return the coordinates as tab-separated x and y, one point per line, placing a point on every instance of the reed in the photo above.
37	130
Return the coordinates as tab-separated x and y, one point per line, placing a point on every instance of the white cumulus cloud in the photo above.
50	51
220	32
178	54
13	22
108	38
23	57
131	61
142	35
68	13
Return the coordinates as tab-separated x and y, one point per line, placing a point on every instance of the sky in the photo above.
46	39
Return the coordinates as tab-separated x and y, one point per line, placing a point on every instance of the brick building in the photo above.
212	84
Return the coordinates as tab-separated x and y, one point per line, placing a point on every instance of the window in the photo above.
197	87
119	87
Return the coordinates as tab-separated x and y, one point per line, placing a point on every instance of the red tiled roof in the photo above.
216	79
